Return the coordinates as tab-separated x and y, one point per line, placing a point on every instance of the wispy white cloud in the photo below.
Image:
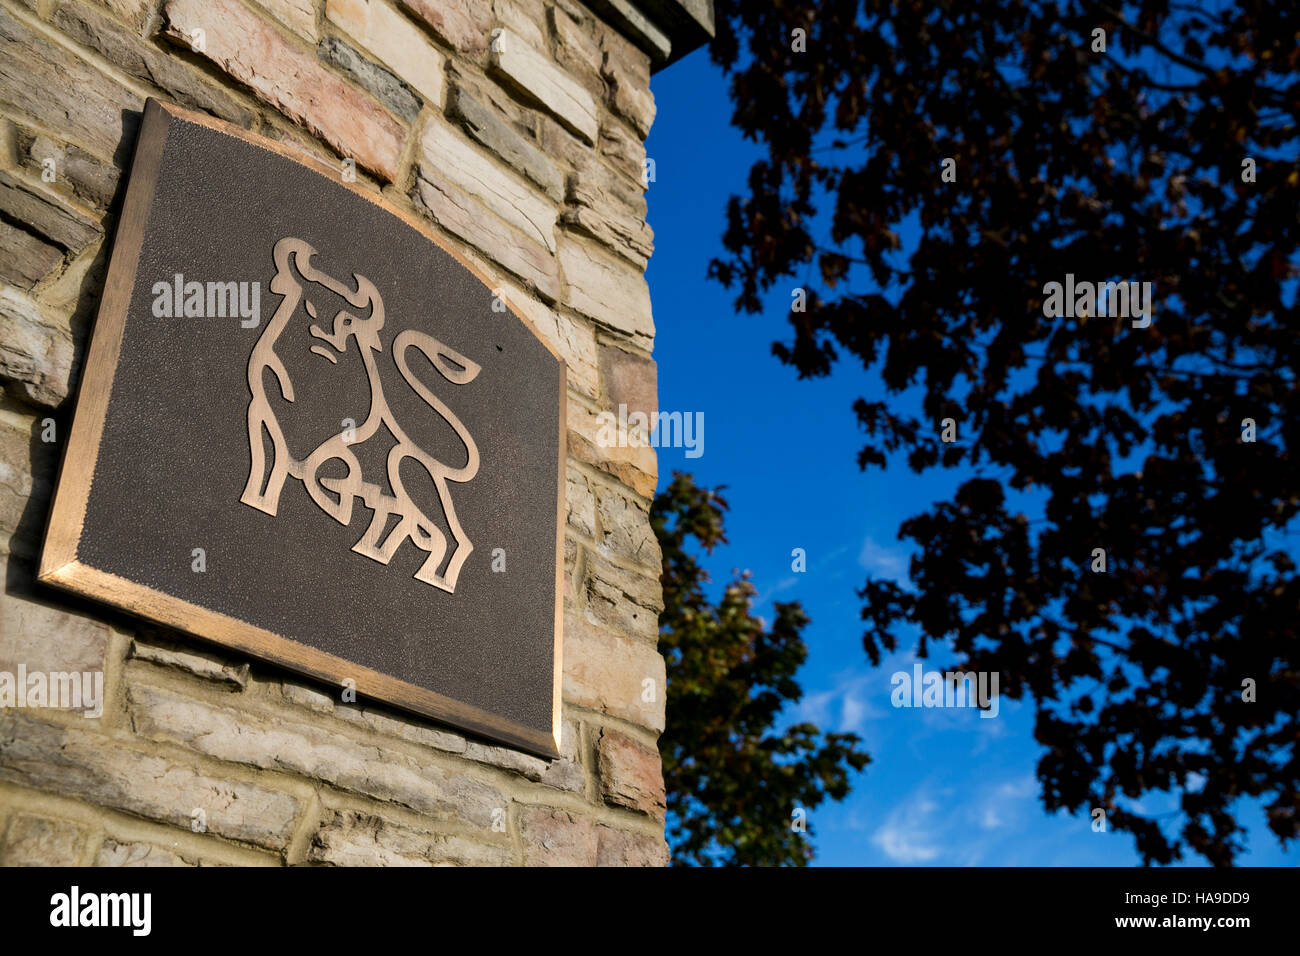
785	584
991	818
814	708
835	554
882	560
1020	787
846	706
816	566
951	826
908	834
853	713
1005	802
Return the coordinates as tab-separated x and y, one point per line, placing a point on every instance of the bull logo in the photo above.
358	321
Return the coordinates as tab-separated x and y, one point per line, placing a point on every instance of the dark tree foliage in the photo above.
734	779
1126	164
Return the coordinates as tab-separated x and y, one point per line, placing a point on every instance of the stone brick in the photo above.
91	181
374	79
606	290
73	296
573	9
413	730
609	208
65	93
533	74
486	128
629	380
567	772
593	183
524	17
25	259
23	483
625	531
648	37
572	338
156	649
524	120
558	143
134	13
606	673
634	464
624	151
45	214
626	601
291	80
312	751
566	775
125	50
395	40
463	216
307	697
405	729
621	848
352	838
36	351
42	636
70	761
581	502
298	15
464	24
41	841
523	764
557	838
447	157
577	52
112	853
628	55
604	218
279	130
631	774
572	573
570	738
28	465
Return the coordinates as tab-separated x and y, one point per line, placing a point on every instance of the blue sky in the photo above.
945	788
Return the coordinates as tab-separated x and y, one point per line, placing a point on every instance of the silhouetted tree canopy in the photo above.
1073	433
734	778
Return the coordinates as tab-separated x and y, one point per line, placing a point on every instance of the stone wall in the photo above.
516	127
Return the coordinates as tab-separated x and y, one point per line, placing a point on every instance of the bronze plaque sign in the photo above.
308	430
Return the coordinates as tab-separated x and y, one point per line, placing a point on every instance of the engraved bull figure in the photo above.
359	322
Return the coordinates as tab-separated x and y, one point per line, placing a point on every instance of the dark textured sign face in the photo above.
307	430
